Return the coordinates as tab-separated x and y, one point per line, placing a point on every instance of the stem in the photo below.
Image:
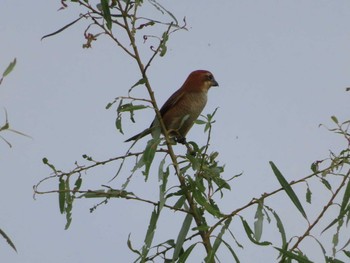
265	195
325	208
108	196
192	206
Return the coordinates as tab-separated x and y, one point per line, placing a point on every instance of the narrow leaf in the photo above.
334	119
163	47
9	68
285	185
207	206
8	240
63	28
346	198
326	184
332	224
150	233
258	224
347	253
179	203
280	228
106	13
130	107
308	195
62	195
149	154
232	251
78	183
130	246
163	177
182	236
291	255
187	252
140	82
250	234
218	241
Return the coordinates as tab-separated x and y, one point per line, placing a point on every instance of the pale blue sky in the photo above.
282	66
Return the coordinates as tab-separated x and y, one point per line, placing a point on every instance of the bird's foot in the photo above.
181	140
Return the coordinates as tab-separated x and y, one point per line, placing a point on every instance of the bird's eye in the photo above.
210	77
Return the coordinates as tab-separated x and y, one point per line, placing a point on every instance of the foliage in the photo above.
200	176
3	128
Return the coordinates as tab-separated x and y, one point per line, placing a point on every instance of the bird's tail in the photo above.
140	135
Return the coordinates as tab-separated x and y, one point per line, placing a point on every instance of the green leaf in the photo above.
218	241
62	194
150	234
334	260
106	13
212	209
182	236
162	177
332	224
9	68
184	256
78	183
149	154
346	198
221	183
314	167
258	224
334	119
68	216
163	47
161	9
180	202
232	251
347	253
140	82
130	107
326	184
118	124
285	185
280	228
68	204
200	122
308	195
322	248
250	234
291	255
130	246
8	240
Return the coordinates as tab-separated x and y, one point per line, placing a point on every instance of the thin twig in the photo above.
325	208
109	195
264	196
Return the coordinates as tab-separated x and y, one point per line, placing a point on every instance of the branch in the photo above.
108	196
264	196
158	48
325	208
193	208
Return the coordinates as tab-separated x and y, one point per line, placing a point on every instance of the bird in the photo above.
183	107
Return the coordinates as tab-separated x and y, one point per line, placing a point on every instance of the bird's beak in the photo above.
214	83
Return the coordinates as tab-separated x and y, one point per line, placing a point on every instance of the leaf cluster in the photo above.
201	181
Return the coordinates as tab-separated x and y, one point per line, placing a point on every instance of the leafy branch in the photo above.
199	175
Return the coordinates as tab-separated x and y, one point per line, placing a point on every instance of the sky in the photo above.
282	66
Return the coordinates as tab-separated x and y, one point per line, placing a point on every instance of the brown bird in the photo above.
183	107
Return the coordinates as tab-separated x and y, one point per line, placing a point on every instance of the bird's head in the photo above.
200	80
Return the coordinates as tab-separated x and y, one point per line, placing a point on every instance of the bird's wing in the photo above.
171	102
